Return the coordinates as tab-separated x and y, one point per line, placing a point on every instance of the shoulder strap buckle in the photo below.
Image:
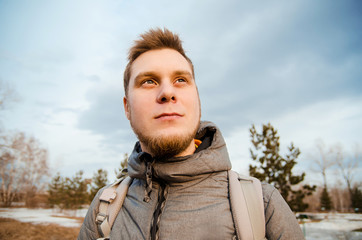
108	195
111	201
100	218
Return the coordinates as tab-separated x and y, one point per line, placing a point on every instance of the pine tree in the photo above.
357	200
295	200
325	200
275	169
76	191
56	191
68	193
99	180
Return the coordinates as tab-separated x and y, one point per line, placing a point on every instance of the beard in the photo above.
164	147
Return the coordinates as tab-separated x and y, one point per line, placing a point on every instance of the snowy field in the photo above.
322	226
333	226
44	216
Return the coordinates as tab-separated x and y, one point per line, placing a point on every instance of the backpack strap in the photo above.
247	206
111	201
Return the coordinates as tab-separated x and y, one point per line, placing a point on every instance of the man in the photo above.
180	165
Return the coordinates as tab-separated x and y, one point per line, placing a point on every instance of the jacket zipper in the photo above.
158	211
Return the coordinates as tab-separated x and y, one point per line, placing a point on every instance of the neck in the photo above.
188	151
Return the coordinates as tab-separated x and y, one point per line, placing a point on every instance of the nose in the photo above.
166	94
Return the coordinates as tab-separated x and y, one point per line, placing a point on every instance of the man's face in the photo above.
163	104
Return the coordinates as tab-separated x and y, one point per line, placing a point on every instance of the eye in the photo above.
148	82
180	80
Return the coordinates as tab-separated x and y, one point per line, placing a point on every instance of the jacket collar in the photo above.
211	156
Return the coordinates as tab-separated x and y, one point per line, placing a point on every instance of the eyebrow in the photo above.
145	74
185	73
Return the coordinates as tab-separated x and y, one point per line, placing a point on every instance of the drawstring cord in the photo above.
148	188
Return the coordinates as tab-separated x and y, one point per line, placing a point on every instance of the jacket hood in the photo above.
210	157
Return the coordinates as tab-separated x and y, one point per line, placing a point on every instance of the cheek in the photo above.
198	110
138	108
196	105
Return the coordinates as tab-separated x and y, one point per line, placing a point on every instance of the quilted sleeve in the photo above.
89	228
280	221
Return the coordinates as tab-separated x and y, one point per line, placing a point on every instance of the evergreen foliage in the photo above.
325	200
68	193
56	191
357	200
275	169
76	191
99	180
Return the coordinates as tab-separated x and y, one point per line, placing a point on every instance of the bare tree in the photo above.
313	201
348	165
324	160
340	197
8	146
23	165
34	161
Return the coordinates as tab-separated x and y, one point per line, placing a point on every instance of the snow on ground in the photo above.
324	226
44	216
330	226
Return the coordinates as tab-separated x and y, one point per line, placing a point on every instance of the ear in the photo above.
126	108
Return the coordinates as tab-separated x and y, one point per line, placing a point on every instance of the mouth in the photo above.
168	116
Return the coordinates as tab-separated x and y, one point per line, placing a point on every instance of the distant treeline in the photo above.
76	191
72	193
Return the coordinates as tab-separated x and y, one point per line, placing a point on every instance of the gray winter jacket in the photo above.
187	198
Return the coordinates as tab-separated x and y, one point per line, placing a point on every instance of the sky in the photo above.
295	64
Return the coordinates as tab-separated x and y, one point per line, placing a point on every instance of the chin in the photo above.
173	132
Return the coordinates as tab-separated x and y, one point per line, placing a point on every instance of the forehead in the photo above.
163	61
